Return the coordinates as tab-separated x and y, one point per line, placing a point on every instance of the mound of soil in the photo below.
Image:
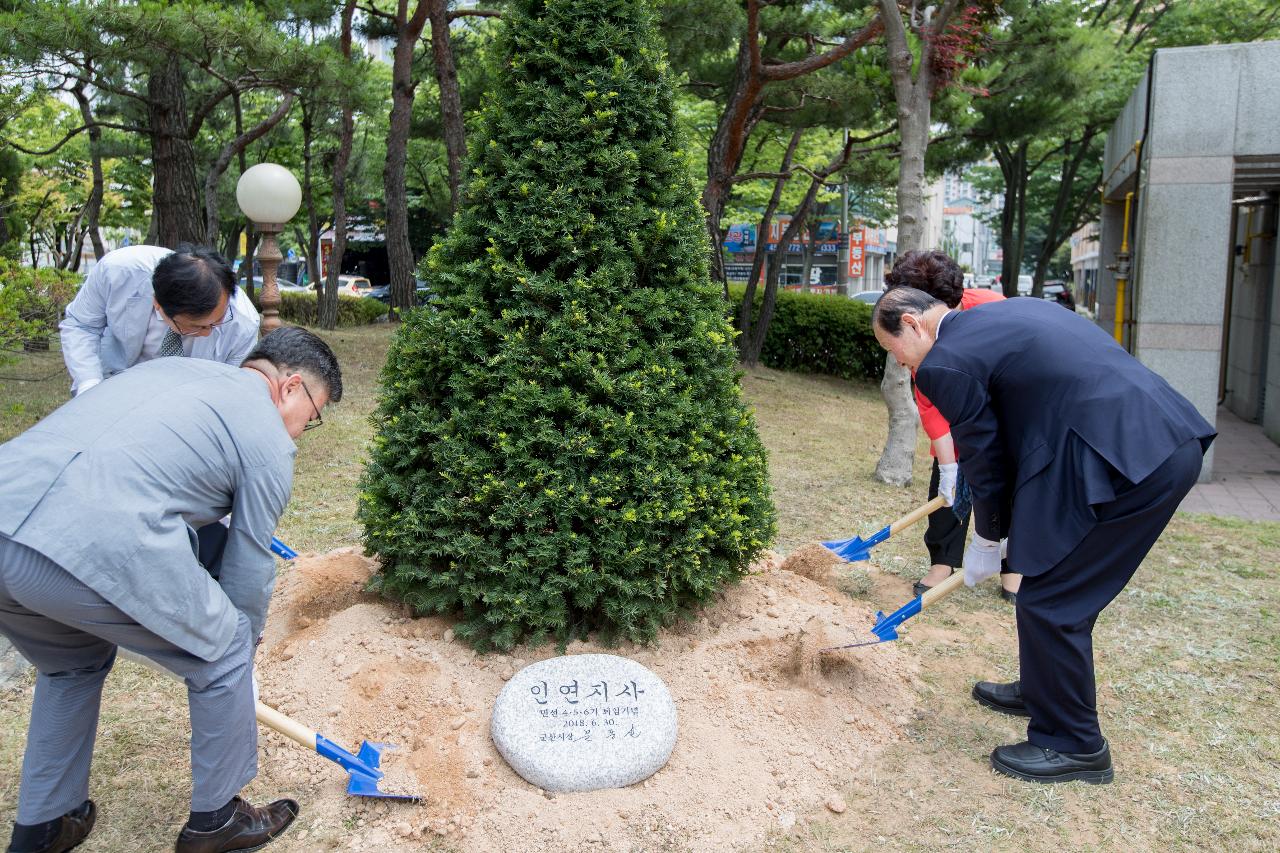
770	729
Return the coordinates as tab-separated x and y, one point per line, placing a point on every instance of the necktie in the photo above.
172	344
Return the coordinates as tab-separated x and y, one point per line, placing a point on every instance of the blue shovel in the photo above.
857	548
886	627
282	550
362	767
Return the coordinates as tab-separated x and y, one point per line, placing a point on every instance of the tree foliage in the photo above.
1062	72
562	445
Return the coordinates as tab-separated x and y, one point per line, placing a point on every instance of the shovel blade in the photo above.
875	642
361	785
849	550
363	782
857	548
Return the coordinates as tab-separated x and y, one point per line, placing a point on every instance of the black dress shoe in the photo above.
1033	763
75	828
919	588
1005	698
250	828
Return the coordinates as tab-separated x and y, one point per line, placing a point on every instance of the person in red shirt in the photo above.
938	275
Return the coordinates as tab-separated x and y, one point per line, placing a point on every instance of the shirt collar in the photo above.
938	329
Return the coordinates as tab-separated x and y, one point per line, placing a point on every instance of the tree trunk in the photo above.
1062	218
794	228
810	247
311	241
751	356
899	453
231	245
328	316
724	153
94	205
761	254
913	126
399	252
250	250
455	132
236	146
153	229
1013	166
176	197
913	98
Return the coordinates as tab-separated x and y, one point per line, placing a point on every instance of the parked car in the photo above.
1059	292
283	285
383	294
354	285
867	296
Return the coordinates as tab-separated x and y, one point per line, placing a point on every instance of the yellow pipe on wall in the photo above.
1122	278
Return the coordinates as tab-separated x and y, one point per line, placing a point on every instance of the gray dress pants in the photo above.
71	633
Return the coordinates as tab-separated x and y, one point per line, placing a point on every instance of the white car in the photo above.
354	285
868	296
283	285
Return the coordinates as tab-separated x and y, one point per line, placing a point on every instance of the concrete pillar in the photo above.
1110	239
1252	264
1271	389
1185	223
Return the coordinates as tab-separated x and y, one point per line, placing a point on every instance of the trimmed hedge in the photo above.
32	302
299	309
818	333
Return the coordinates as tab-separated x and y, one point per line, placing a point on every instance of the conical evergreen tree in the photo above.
562	444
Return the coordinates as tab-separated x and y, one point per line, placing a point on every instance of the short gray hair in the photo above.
294	349
895	302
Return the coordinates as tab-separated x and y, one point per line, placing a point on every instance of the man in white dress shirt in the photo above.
145	302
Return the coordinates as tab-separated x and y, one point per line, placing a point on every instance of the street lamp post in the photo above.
269	196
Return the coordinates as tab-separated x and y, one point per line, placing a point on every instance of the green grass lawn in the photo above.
1188	655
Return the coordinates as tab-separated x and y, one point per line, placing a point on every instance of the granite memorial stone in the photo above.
584	722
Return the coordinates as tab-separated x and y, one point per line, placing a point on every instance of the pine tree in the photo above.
562	444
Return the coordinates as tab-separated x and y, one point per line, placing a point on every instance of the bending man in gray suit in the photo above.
143	302
98	507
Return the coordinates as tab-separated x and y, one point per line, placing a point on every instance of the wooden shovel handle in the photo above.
937	592
292	729
917	514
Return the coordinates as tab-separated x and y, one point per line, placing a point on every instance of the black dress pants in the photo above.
1056	610
213	540
945	534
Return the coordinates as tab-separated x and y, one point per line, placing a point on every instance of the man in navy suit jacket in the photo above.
1075	453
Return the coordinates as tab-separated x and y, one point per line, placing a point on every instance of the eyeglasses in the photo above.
317	421
227	317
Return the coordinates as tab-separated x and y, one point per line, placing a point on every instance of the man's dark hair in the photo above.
895	302
292	349
191	281
933	272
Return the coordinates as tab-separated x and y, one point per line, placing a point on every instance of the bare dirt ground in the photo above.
770	730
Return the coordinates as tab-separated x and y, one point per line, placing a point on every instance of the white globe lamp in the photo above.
269	196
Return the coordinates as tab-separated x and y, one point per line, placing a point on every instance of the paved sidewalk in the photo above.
1246	474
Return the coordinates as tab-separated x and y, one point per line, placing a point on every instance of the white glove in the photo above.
947	473
86	385
981	560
